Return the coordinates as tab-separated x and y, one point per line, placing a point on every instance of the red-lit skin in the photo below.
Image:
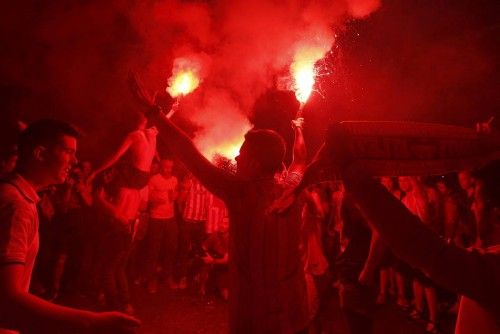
51	165
46	166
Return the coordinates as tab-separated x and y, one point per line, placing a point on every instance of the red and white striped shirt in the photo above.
197	202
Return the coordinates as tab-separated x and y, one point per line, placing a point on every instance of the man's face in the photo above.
441	186
244	161
166	167
465	180
60	158
404	184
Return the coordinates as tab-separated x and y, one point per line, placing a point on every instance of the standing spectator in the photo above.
453	224
467	183
416	200
46	153
195	200
162	231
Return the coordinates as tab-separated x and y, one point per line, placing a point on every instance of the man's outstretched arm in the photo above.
114	157
214	179
471	274
217	181
299	156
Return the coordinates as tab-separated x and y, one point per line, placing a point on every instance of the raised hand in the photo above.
298	123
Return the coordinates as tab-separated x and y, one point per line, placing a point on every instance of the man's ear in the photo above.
40	153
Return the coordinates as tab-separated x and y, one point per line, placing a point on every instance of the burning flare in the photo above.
303	71
185	77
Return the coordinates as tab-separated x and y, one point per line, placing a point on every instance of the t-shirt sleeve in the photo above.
15	221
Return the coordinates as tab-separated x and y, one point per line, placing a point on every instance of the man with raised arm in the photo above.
267	289
140	146
46	152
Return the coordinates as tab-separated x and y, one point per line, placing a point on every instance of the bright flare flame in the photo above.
303	71
186	75
183	83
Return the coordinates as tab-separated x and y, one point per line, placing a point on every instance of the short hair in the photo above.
46	132
268	148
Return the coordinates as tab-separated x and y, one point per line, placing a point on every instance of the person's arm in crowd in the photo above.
85	191
114	157
299	156
314	200
101	201
377	251
23	311
422	199
214	179
472	274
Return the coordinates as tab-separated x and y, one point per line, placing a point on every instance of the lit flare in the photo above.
182	83
303	71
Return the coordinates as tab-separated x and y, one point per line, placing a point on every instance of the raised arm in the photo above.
471	274
299	156
216	180
115	156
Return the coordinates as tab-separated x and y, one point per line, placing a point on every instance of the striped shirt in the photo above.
197	202
217	215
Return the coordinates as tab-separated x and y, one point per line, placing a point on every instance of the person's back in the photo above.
143	148
268	288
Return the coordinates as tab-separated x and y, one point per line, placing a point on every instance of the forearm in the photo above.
375	255
183	147
26	312
299	152
466	273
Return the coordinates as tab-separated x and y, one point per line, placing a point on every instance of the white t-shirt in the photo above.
18	227
161	196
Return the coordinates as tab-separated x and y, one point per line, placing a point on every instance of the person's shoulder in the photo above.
9	192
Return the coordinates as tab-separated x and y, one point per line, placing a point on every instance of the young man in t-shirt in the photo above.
46	153
162	230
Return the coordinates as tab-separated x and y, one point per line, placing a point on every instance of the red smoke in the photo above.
246	43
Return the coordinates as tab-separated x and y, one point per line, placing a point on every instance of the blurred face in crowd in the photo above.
166	167
405	184
441	187
465	180
387	182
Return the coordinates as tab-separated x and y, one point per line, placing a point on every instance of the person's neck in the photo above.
34	178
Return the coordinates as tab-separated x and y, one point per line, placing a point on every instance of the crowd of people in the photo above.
418	242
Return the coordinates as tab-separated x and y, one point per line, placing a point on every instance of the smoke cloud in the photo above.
85	48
